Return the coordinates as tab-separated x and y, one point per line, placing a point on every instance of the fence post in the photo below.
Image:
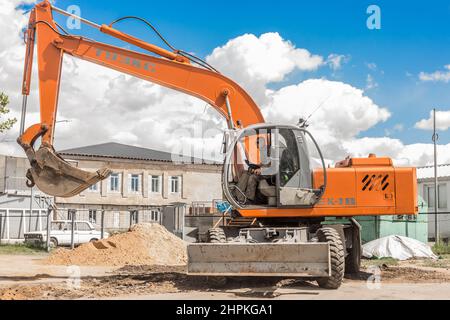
72	236
102	226
49	212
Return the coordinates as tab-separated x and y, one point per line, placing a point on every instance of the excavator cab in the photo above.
272	166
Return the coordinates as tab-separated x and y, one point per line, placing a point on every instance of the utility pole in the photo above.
436	192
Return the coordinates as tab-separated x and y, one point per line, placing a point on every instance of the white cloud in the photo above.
417	154
253	61
335	61
399	127
422	154
442	121
443	76
344	110
372	66
370	82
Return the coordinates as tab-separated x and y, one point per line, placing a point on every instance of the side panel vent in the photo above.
375	182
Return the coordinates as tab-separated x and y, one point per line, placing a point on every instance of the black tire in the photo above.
93	240
337	256
216	235
53	243
353	259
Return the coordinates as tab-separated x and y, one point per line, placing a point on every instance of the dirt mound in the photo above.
412	275
144	244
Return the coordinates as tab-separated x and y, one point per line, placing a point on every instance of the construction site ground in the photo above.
30	277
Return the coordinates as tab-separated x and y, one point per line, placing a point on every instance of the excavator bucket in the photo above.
56	177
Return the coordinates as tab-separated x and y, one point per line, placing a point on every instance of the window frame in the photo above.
155	215
430	188
95	188
135	181
178	184
159	181
134	216
92	212
114	175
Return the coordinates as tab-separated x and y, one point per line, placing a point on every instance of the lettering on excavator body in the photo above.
138	64
337	201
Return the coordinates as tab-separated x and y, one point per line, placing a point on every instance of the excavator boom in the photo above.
51	173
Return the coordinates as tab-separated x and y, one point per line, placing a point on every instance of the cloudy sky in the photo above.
375	88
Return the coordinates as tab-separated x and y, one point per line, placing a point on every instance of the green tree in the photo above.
7	124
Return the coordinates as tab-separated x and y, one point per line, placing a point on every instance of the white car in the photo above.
61	234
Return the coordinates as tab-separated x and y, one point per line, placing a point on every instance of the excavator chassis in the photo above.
321	251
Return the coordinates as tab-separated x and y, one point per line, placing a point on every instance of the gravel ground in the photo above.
25	277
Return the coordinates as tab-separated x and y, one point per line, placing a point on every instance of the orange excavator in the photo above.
298	221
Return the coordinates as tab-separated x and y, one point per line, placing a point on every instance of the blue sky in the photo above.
414	38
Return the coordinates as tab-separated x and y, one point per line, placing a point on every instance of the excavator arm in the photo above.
49	171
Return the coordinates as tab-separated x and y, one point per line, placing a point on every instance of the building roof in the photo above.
123	151
427	172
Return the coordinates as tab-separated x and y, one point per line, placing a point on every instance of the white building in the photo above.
425	180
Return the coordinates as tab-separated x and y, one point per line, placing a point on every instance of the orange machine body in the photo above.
364	187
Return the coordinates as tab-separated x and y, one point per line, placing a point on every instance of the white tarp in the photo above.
397	247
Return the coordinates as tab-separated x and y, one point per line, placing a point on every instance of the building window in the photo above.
134	182
155	184
134	217
93	216
94	188
71	213
154	215
114	182
175	184
442	196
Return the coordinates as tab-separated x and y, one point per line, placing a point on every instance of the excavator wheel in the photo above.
337	257
216	235
353	259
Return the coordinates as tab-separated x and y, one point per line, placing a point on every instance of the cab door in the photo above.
296	164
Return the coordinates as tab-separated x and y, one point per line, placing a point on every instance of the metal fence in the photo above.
199	208
15	223
120	220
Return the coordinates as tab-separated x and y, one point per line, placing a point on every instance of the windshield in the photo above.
58	226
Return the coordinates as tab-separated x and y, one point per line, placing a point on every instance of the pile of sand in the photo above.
143	244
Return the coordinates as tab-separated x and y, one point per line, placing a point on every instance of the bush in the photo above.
441	249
